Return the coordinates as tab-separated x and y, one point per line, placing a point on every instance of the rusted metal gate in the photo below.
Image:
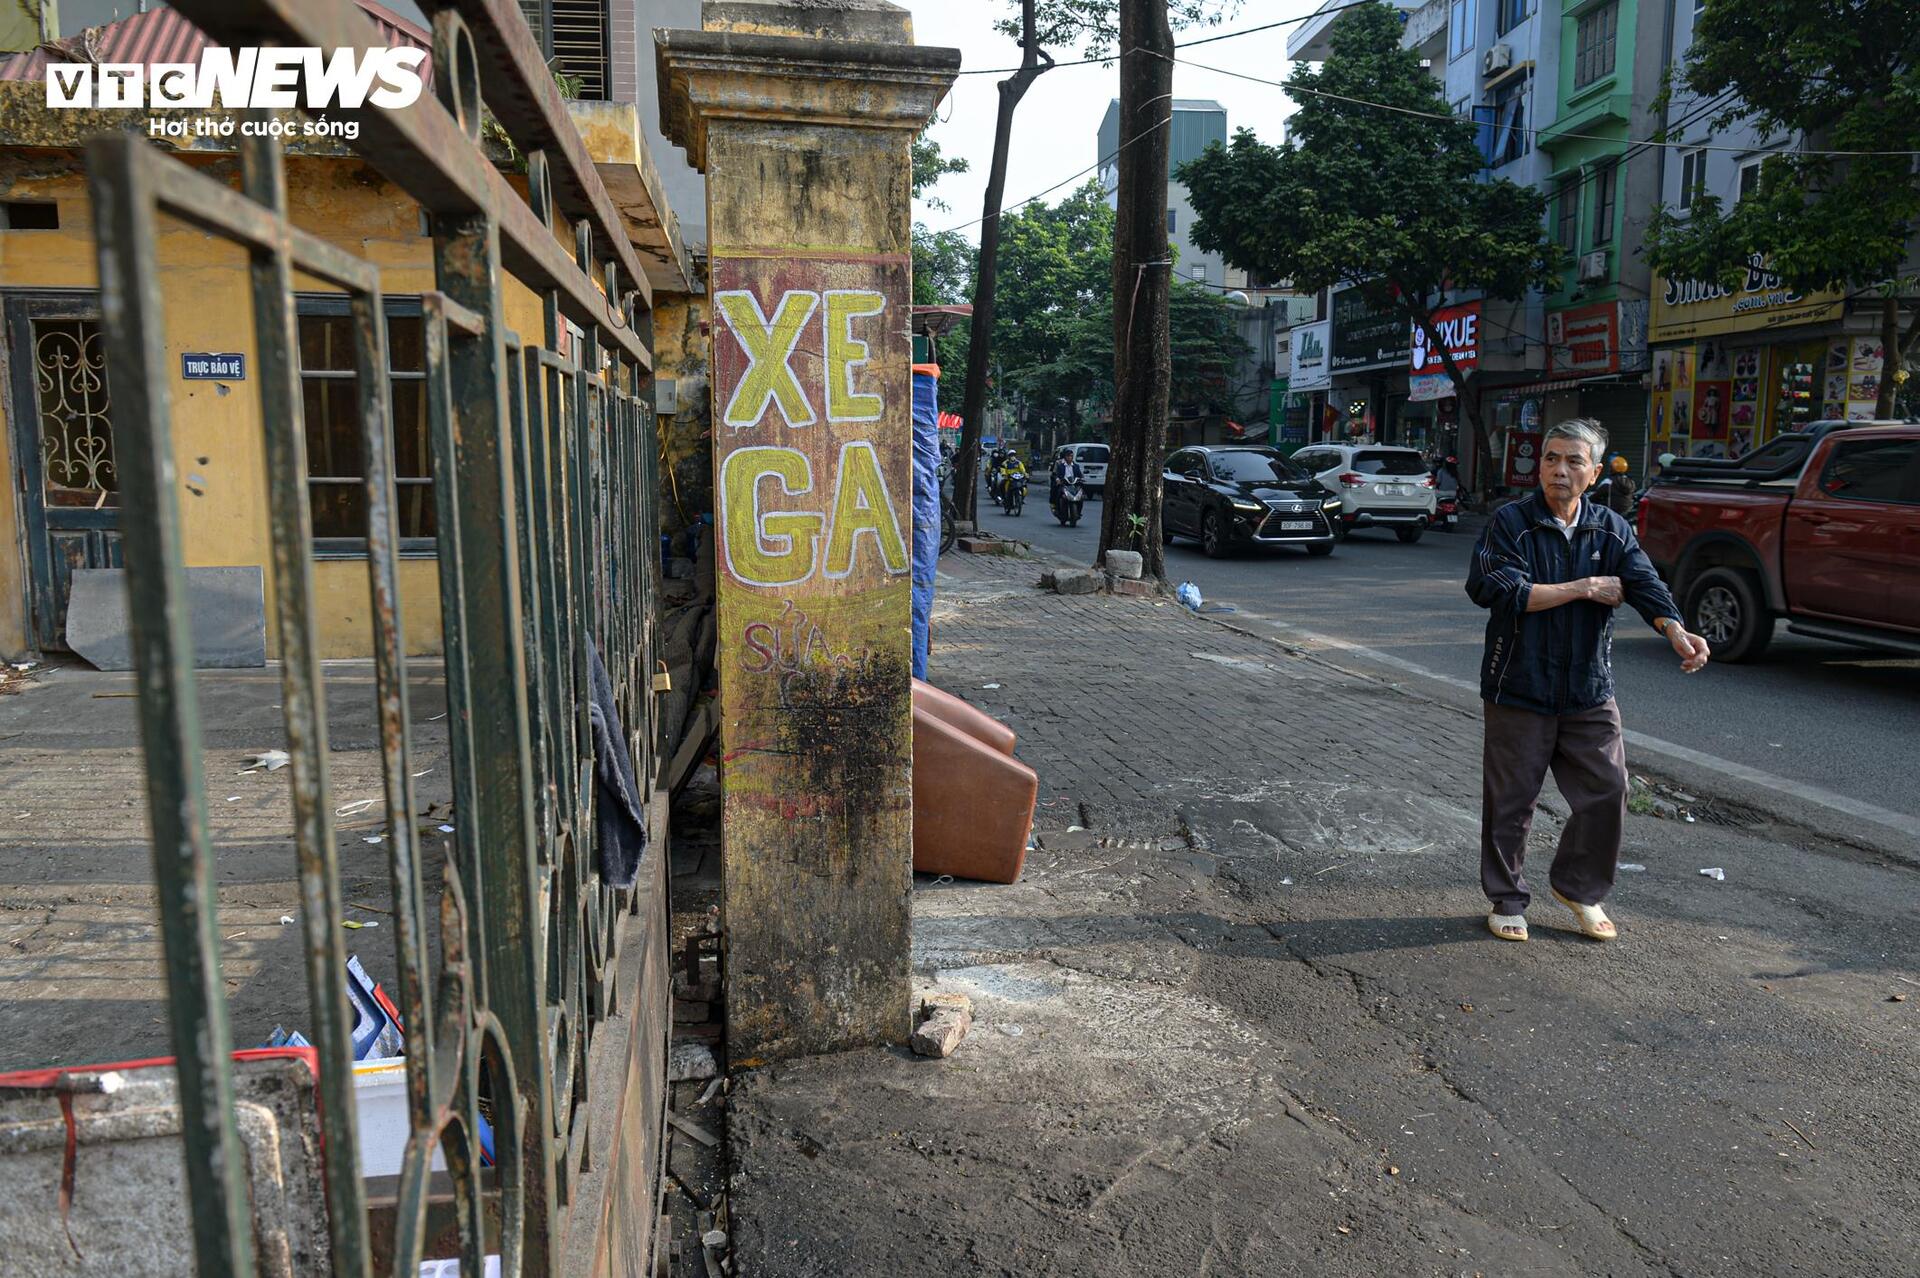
543	477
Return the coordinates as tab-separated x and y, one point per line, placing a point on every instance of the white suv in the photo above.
1093	464
1378	485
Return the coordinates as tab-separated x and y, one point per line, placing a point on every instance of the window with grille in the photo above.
1593	49
1603	190
1567	214
580	44
330	396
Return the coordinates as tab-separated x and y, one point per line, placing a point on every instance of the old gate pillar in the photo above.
802	117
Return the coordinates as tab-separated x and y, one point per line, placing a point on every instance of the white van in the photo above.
1093	464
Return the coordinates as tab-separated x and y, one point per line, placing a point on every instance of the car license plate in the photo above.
1296	525
1396	490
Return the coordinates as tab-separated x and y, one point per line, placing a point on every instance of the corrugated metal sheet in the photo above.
162	35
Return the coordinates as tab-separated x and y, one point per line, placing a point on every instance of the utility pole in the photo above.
1142	287
973	401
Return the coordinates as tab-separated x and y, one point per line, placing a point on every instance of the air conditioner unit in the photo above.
1498	58
1593	266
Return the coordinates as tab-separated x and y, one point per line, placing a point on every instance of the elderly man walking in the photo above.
1551	568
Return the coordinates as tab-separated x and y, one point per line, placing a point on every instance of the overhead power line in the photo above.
1188	44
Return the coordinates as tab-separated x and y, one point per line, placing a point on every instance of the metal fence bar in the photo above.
539	466
125	224
304	698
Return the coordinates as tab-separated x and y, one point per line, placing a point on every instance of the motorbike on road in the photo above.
1013	490
1068	503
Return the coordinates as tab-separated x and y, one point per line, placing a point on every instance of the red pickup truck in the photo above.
1820	527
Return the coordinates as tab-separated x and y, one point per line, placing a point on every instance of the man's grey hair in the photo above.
1582	430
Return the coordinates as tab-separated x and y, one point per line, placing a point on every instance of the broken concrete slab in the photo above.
227	606
1137	589
941	1033
1078	581
1126	564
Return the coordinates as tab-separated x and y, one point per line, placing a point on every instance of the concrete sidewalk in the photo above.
1248	1020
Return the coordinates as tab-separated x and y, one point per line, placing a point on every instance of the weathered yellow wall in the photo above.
217	426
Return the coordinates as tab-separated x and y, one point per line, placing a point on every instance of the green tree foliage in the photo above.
1381	199
929	166
1844	75
1053	325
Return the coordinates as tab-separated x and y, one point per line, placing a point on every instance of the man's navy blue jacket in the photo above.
1558	660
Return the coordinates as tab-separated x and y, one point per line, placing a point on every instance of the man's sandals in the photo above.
1590	919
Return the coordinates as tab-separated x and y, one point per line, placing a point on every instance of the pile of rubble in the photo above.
1120	574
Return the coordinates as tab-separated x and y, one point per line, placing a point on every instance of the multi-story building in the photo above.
1732	367
1196	122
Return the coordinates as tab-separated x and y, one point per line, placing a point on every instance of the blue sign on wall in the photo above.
203	366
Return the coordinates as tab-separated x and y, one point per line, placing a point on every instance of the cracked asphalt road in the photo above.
1249	1021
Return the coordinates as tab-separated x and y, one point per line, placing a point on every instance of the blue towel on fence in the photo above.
620	823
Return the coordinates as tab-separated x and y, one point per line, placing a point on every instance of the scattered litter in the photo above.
1689	817
436	718
942	881
1336	865
1075	829
1802	1135
233	798
1633	867
693	1130
1188	594
1909	982
271	760
1286	882
375	838
714	1238
1011	1031
713	1089
445	829
1343	1229
284	1037
1715	873
422	772
354	925
353	809
286	919
989	686
1891	998
1392	1170
24	665
358	905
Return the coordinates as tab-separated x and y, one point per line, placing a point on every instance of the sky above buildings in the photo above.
1056	126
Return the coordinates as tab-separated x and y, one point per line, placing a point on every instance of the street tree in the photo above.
1378	187
1840	75
1034	61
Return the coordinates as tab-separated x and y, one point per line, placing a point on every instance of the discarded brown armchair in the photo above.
972	800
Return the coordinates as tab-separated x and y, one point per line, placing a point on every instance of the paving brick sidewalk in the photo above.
1247	1020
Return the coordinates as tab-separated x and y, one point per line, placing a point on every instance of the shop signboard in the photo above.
1523	459
1311	370
1366	336
1584	340
1458	328
1687	309
1423	388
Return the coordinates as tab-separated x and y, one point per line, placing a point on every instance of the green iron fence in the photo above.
543	475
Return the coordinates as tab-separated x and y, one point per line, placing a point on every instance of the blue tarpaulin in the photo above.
926	509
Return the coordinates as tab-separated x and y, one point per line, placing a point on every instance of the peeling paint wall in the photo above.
217	426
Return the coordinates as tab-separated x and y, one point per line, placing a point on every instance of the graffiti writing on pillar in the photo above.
791	647
804	370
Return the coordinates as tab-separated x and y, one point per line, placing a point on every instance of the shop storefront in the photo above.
1733	367
1368	358
1597	363
1310	377
1430	420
